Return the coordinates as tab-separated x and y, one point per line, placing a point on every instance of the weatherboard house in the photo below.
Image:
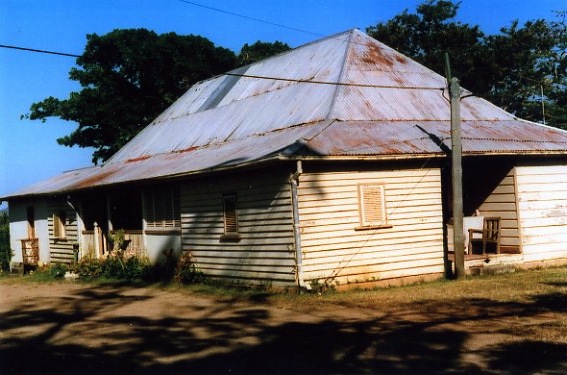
327	163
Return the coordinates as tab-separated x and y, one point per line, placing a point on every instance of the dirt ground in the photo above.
73	328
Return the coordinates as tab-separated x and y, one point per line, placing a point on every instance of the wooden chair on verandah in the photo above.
490	235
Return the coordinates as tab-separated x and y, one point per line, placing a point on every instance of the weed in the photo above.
186	272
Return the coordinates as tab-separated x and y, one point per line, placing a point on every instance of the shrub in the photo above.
88	268
136	269
58	270
113	267
5	251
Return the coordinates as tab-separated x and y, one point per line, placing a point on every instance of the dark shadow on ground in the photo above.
82	334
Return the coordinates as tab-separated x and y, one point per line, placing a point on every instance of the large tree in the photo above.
511	68
128	77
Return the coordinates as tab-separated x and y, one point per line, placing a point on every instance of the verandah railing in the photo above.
97	244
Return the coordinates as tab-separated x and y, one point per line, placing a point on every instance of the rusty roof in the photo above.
342	96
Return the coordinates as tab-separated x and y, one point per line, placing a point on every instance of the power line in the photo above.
335	83
249	17
39	51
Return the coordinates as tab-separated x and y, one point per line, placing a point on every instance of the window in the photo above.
30	214
162	209
372	206
230	218
59	221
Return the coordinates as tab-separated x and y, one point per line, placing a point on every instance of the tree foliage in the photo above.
260	50
510	69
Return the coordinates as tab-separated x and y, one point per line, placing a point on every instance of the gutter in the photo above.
294	182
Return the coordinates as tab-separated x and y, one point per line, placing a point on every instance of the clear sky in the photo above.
28	149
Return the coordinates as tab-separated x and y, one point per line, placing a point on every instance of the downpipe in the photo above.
294	181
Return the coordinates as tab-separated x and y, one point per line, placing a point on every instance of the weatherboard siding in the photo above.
61	249
265	251
502	203
542	200
334	248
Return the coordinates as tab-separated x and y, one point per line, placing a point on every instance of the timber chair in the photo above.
490	233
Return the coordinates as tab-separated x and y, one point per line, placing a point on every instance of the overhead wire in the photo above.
334	83
218	10
38	50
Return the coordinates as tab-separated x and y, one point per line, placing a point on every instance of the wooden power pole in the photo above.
457	178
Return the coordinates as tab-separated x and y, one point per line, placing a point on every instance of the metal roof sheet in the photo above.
342	96
396	138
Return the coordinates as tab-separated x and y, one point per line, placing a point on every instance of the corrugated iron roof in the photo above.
345	95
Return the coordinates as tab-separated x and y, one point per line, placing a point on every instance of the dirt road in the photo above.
67	328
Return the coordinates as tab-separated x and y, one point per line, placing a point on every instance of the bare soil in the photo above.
76	328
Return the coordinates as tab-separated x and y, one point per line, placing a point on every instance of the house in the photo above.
325	164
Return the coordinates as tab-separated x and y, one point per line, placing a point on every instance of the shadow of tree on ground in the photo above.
118	330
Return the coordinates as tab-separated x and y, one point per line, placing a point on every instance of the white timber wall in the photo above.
19	227
265	252
542	207
502	203
334	252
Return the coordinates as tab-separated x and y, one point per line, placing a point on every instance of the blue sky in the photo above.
28	149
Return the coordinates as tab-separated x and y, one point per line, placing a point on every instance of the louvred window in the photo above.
372	205
229	211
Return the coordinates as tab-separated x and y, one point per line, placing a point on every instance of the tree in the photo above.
521	69
556	74
260	50
128	77
510	69
429	34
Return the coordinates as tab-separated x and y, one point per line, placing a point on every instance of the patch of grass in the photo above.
513	288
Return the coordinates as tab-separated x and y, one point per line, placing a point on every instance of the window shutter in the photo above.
59	220
229	210
372	205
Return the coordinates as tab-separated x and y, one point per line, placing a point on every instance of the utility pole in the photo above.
457	177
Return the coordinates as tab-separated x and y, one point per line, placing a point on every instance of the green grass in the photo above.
521	287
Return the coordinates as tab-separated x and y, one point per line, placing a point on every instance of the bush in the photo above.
182	271
113	267
58	270
5	251
88	269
